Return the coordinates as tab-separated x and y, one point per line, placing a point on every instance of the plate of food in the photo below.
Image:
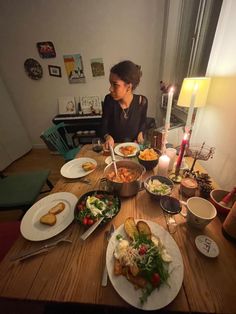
78	167
127	149
49	216
144	264
97	204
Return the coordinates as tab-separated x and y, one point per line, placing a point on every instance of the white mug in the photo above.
200	212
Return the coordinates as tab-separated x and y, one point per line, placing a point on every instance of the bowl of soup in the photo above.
128	180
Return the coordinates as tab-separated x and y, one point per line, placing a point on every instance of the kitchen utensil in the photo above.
41	249
113	158
90	230
108	235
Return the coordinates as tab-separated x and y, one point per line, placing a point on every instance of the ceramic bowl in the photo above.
148	164
216	196
162	180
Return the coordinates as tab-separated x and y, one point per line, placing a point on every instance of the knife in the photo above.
90	230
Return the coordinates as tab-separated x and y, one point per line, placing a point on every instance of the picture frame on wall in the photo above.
54	70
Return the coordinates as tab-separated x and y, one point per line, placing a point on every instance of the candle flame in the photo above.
171	90
185	136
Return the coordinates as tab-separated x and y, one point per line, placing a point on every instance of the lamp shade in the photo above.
198	86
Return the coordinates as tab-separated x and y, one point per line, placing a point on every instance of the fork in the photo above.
41	249
107	236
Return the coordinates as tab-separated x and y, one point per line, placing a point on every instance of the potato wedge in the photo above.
143	228
130	227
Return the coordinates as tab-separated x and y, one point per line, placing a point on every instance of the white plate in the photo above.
165	294
73	169
33	230
117	151
108	160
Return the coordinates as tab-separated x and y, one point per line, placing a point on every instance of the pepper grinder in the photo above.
229	225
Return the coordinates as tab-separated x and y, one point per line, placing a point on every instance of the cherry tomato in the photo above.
90	222
142	250
155	279
85	221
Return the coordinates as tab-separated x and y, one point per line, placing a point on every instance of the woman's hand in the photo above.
140	138
109	141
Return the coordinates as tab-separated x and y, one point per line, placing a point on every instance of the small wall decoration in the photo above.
91	105
97	67
33	69
66	105
46	49
74	68
54	70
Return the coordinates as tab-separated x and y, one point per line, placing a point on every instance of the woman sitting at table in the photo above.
124	113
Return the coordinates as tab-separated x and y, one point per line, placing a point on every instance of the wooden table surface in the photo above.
72	272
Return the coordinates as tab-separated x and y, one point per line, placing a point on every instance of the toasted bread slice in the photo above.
143	228
57	208
130	228
88	166
48	219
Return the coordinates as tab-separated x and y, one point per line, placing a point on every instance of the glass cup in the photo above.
170	206
97	145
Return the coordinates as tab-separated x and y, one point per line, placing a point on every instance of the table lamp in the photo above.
193	94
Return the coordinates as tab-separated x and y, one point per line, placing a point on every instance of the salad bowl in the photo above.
158	186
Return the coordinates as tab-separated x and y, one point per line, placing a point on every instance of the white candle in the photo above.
171	152
169	105
163	165
191	109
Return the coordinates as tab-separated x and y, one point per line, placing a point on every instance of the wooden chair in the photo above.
56	135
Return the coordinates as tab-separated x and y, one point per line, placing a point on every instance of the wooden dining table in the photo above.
72	273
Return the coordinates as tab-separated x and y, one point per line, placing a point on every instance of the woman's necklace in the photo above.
126	113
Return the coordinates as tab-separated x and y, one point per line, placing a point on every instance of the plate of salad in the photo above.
146	270
94	205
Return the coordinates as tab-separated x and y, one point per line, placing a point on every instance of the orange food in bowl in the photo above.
148	154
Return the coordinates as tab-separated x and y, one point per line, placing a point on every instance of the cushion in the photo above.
22	189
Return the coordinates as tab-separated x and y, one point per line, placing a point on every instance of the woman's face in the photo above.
118	89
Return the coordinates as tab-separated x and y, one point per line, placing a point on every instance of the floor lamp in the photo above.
193	94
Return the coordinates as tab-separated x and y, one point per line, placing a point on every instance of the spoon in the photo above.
113	158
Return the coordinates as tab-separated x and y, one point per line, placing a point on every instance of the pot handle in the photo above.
105	185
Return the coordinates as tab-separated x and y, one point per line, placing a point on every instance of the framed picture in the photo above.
91	105
54	70
66	105
46	49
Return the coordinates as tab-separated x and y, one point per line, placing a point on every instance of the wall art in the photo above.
66	105
97	67
33	69
74	68
54	70
91	105
46	49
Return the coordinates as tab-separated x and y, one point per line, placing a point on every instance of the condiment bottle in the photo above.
229	225
228	197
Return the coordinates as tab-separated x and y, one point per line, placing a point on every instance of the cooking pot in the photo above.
125	189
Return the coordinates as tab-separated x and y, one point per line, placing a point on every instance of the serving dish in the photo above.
161	179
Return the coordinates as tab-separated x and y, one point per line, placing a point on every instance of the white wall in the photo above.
112	30
216	123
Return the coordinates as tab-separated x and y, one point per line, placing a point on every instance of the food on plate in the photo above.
95	206
127	150
148	154
88	166
48	219
57	208
156	187
123	175
142	258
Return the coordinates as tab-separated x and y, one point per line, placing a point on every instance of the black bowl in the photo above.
81	211
164	180
148	164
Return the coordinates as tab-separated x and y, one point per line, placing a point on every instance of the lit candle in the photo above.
191	109
163	165
169	105
181	152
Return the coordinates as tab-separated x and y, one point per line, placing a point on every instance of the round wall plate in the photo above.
207	246
33	69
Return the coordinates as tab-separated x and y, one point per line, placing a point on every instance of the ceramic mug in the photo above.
200	212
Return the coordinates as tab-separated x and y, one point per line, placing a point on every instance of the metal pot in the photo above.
125	189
